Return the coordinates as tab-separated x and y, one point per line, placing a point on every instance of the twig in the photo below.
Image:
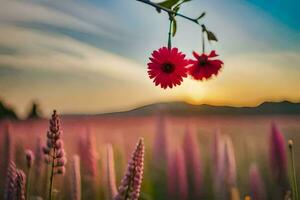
169	11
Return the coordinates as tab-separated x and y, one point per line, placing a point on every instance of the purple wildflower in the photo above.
278	156
20	184
38	156
54	151
160	142
15	183
75	178
88	156
177	178
131	183
229	167
110	171
257	186
217	163
29	157
10	181
193	164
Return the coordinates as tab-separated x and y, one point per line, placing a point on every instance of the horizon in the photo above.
136	107
75	56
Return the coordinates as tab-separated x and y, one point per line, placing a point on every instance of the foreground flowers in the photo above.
203	67
54	152
130	187
167	67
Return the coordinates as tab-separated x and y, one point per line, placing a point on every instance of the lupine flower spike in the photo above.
168	67
193	164
29	157
15	183
20	183
257	186
75	178
10	181
217	163
178	188
110	171
54	152
130	187
278	157
229	163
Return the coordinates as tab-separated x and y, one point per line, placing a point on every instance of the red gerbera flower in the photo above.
204	67
167	67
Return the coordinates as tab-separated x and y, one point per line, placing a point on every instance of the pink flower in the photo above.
167	67
204	66
130	187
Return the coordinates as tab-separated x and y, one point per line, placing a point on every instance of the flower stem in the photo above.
203	42
294	177
169	11
28	183
52	175
169	34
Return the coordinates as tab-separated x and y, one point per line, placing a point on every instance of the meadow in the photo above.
190	157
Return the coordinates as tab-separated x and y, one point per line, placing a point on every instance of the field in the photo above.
181	155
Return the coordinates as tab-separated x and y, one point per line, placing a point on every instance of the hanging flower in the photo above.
204	66
167	67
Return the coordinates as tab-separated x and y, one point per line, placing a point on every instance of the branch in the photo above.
169	11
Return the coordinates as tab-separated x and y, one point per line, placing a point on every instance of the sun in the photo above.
194	92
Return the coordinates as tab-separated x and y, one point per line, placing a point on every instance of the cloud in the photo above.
72	15
38	49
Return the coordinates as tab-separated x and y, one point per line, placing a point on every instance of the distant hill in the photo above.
182	108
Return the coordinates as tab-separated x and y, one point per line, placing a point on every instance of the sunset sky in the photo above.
91	56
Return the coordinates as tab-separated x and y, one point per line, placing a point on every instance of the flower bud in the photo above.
29	156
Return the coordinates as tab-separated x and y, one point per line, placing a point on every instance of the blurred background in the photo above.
88	60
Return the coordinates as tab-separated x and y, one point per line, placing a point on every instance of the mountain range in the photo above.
183	108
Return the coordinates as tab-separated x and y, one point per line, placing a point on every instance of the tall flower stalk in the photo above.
110	171
278	157
75	178
54	152
193	163
257	186
130	187
217	163
29	157
20	183
229	163
10	181
293	170
177	177
15	183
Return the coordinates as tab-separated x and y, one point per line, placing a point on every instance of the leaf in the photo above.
174	27
211	36
202	15
168	3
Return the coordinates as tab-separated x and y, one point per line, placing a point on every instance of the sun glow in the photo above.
194	92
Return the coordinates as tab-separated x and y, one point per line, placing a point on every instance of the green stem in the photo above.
203	42
169	34
294	177
169	11
52	175
28	183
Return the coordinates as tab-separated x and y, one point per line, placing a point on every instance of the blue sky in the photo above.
91	56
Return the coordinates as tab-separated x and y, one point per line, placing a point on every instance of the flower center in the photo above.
202	62
168	68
